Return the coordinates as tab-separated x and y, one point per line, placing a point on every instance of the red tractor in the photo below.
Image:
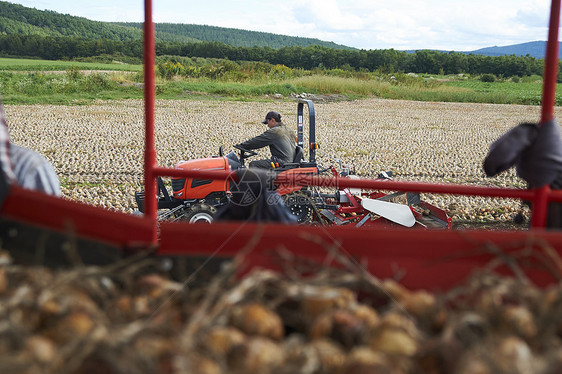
197	200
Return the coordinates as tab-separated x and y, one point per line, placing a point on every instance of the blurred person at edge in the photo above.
23	167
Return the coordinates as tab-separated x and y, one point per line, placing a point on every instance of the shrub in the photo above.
532	79
488	78
97	82
73	73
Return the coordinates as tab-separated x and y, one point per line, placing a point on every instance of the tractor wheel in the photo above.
200	213
300	206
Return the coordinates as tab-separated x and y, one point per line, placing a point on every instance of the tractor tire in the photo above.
200	213
300	206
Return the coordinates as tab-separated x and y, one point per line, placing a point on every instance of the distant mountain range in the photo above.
536	49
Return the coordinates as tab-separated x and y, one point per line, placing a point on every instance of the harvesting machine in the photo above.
427	259
197	200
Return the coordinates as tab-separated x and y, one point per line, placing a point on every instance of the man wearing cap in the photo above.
280	139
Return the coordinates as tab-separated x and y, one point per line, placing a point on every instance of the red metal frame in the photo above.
538	197
540	206
551	64
444	241
428	259
420	258
119	229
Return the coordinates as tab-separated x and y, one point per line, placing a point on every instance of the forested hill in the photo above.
177	32
17	19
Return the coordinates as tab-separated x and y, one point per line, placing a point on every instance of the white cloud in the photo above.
370	24
328	16
459	25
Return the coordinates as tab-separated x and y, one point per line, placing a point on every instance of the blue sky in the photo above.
459	25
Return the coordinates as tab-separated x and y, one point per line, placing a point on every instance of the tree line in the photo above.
179	32
309	57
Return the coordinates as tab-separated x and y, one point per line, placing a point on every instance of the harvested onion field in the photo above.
97	149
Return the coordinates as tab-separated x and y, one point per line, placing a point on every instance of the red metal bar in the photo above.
427	259
551	64
65	216
540	203
149	96
540	208
340	182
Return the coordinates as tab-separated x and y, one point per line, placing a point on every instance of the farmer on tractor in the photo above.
279	138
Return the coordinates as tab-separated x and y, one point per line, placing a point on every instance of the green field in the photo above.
28	81
506	92
20	64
